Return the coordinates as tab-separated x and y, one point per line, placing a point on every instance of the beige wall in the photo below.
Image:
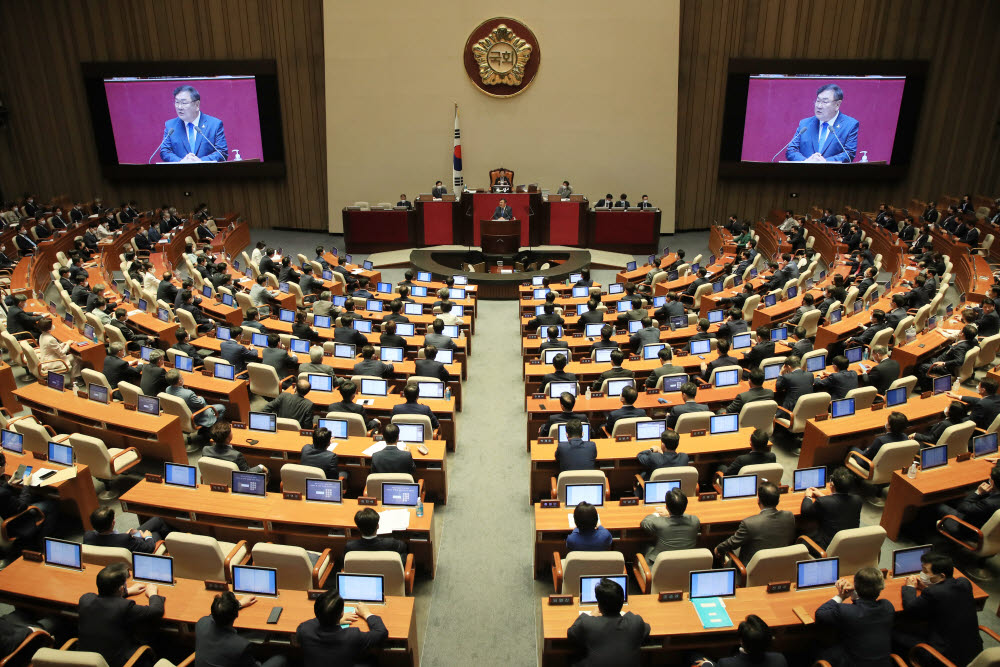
602	111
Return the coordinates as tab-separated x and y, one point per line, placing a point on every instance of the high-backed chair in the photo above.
287	424
375	480
969	365
750	305
979	543
806	407
769	565
692	421
130	392
988	348
891	457
578	477
671	570
566	572
899	333
766	472
627	427
36	435
397	576
91	376
29	648
759	414
187	321
216	471
106	464
104	556
297	568
64	657
957	438
423	420
356	427
856	548
41	369
294	476
177	407
863	397
908	381
264	380
205	558
811	322
687	475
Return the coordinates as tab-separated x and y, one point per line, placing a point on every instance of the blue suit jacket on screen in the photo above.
806	142
176	146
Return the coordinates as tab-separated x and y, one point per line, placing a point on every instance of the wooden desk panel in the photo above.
234	394
7	386
91	354
78	491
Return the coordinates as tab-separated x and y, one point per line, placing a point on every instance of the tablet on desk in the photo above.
549	354
321	321
250	580
368	588
55	381
907	561
299	345
144	352
442	356
410	432
405	329
400	494
772	371
700	346
176	474
589	582
593	330
152	568
248	483
320	382
258	340
391	354
337	427
984	445
616	288
263	421
656	492
374	387
741	341
724	424
60	453
364	326
727	378
286	315
413	308
816	573
324	490
578	493
739	486
712	583
222	333
715	316
430	389
61	553
615	387
651	430
843	407
652	351
942	384
779	333
805	478
98	393
344	350
816	363
183	363
674	383
224	371
933	457
854	354
603	354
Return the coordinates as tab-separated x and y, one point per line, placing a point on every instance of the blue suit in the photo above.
505	212
176	146
806	141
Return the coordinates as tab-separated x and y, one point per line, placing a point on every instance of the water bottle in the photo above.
911	473
420	507
588	393
447	393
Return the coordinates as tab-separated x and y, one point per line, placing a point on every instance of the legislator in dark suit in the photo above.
624	412
505	212
836	142
882	375
283	363
323	459
166	292
431	368
576	454
613	373
181	138
651	459
837	384
770	529
237	355
292	406
749	396
657	373
949	609
560	418
222	646
393	459
864	628
377	543
108	625
832	513
416	409
672	533
751	458
118	370
757	354
984	409
153	380
790	386
609	641
326	646
683	409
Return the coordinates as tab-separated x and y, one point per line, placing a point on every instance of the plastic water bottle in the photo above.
447	393
911	473
420	507
588	393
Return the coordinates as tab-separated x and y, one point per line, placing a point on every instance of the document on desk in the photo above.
60	476
392	520
712	613
377	447
134	312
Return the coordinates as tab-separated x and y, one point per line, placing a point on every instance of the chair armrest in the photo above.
995	636
244	373
17	419
160	548
195	414
290	377
814	549
555	486
60	438
929	650
640	482
408	574
130	450
821	663
65	366
23	333
420	489
138	654
607	489
738	564
69	644
557	572
320	580
856	469
642	574
786	411
965	545
187	662
37	639
242	544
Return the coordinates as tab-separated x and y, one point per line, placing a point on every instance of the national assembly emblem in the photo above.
502	57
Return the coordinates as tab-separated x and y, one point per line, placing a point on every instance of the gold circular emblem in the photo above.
502	57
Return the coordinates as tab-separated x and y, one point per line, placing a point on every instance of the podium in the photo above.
500	237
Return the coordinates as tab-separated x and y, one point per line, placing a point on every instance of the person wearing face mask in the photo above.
645	203
5	261
946	605
975	509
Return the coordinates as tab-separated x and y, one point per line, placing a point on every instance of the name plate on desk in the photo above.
306	432
698	432
707	496
315	593
207	373
532	336
963	457
220	488
153	478
623	438
539	395
597	394
586	360
212	585
535	362
671	596
779	587
560	600
239	425
128	406
878	406
821	417
365	500
578	335
545	441
652	392
549	504
926	394
291	495
628	502
32	556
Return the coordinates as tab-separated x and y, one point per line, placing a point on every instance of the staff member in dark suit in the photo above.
865	627
587	535
325	643
755	639
109	620
502	211
628	409
840	510
221	448
666	356
673	530
216	642
841	381
347	391
576	453
664	456
392	458
19	321
689	390
137	540
883	373
756	392
895	427
367	522
770	529
947	606
953	414
611	638
404	202
559	373
793	382
988	321
153	378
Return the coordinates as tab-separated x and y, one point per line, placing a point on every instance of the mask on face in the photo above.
925	579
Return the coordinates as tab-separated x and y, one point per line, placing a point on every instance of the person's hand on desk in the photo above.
135	589
362	610
914	581
246	600
190	157
986	488
844	587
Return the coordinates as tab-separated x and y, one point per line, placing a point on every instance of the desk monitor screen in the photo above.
700	346
792	292
854	354
540	293
411	432
933	457
551	353
561	432
984	445
674	383
361	588
249	483
741	341
650	430
384	288
942	384
374	387
222	333
283	288
539	310
88	331
575	277
713	583
658	301
858	305
177	474
716	288
183	363
630	266
724	424
772	371
616	288
739	486
836	315
364	326
461	280
373	305
163	314
582	308
537	280
603	354
12	441
249	580
737	281
779	333
321	321
842	408
320	382
60	453
55	381
401	494
588	584
593	330
430	389
817	573
324	490
634	326
418	290
299	345
451	330
143	305
367	265
580	292
144	352
727	378
63	554
806	478
895	396
344	350
816	363
624	306
715	316
337	427
327	275
155	569
557	388
578	493
227	300
149	405
695	267
258	340
263	421
656	492
615	387
444	356
907	561
224	371
97	392
405	329
753	273
286	315
652	351
770	300
391	354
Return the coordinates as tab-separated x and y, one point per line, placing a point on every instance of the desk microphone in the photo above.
198	129
849	156
800	131
169	132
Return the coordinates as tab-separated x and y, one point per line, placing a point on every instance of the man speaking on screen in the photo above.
827	135
192	136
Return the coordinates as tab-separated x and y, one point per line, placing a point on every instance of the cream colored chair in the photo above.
856	548
15	357
177	407
397	577
863	397
852	295
216	471
423	420
899	333
104	556
36	435
286	424
957	438
687	475
806	407
298	569
920	317
114	335
41	369
988	348
91	376
356	427
891	457
578	477
201	557
106	464
294	476
187	321
566	572
766	472
759	414
769	565
264	380
693	421
711	376
671	570
979	543
908	381
811	322
969	365
750	305
626	426
66	657
375	480
771	361
130	392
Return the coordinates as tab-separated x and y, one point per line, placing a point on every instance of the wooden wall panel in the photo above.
48	146
957	145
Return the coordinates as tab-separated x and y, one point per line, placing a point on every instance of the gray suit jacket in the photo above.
770	529
672	533
657	373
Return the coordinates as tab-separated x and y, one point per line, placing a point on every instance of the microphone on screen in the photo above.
169	132
800	131
224	158
842	146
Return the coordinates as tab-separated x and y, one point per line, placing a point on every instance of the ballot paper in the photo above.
60	476
377	447
392	520
134	312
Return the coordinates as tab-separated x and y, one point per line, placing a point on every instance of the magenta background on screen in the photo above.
139	110
775	107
